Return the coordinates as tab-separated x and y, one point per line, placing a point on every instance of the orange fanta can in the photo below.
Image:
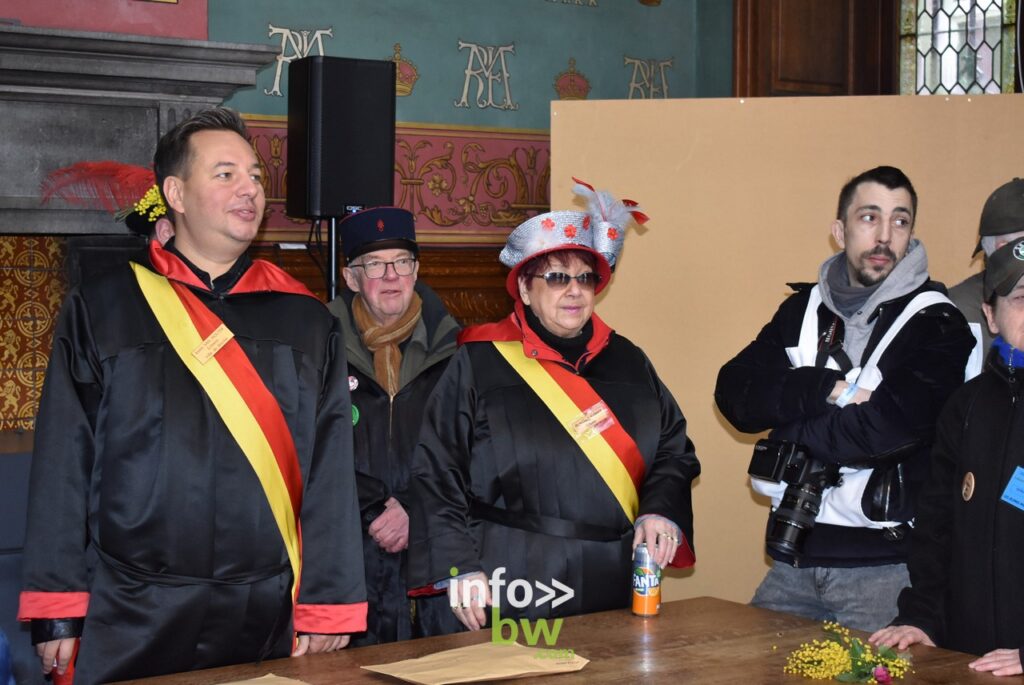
646	583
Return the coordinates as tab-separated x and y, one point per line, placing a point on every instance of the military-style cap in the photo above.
1004	269
1003	211
377	228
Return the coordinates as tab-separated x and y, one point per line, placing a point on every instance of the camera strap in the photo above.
824	350
843	505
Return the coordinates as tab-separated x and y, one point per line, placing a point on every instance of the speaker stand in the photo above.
332	260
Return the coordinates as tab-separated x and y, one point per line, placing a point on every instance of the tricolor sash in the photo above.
242	400
587	420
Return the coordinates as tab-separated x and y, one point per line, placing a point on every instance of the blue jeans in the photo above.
862	598
6	667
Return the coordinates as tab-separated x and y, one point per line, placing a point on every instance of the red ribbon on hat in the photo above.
638	216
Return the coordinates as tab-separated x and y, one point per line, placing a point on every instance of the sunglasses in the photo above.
558	280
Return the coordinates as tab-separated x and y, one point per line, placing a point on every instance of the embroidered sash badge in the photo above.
592	422
205	351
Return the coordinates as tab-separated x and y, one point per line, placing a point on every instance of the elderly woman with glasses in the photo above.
550	448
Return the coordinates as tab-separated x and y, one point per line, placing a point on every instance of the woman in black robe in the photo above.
550	448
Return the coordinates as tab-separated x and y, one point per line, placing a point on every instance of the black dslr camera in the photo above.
782	460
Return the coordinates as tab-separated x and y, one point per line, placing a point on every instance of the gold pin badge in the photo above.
967	489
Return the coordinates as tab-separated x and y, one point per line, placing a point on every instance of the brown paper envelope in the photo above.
487	661
269	679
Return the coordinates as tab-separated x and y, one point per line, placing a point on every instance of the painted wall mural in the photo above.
31	290
406	73
172	20
487	69
465	186
295	44
474	80
649	78
475	63
572	84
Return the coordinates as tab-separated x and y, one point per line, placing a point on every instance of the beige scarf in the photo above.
383	341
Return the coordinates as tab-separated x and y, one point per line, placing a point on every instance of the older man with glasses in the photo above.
399	337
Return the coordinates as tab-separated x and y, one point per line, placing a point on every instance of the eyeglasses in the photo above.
403	267
557	280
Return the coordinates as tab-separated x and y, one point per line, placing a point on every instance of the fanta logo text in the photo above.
645	580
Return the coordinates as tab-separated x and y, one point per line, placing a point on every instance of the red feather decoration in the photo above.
583	183
638	216
108	185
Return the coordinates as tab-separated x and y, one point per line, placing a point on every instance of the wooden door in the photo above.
815	47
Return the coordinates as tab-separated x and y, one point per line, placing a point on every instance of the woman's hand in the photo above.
467	597
55	655
999	662
317	644
661	537
900	637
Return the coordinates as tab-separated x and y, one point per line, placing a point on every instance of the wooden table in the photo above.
703	640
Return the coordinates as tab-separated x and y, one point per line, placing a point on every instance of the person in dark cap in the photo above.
1002	221
966	566
398	337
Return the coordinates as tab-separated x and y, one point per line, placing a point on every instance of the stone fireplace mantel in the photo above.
69	96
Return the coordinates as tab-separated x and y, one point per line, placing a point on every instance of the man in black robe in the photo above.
193	506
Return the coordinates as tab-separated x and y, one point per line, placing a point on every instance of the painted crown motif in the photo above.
406	73
571	84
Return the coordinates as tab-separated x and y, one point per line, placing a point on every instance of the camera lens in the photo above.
790	523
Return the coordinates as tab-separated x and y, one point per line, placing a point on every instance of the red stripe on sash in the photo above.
584	397
254	392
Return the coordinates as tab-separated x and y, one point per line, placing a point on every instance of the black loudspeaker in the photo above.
341	135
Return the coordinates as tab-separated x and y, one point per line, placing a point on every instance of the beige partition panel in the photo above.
741	194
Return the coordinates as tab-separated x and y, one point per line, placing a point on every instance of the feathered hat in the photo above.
601	230
128	191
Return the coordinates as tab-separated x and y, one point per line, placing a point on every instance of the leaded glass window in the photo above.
957	46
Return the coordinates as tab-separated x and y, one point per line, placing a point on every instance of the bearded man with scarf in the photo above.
399	337
854	369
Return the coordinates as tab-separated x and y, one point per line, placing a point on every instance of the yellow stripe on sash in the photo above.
239	419
596	448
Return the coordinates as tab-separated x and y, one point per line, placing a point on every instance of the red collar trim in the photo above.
261	277
514	327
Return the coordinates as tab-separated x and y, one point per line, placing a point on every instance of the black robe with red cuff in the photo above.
145	516
497	482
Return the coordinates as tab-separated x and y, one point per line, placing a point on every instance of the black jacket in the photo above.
498	482
384	435
758	390
966	566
